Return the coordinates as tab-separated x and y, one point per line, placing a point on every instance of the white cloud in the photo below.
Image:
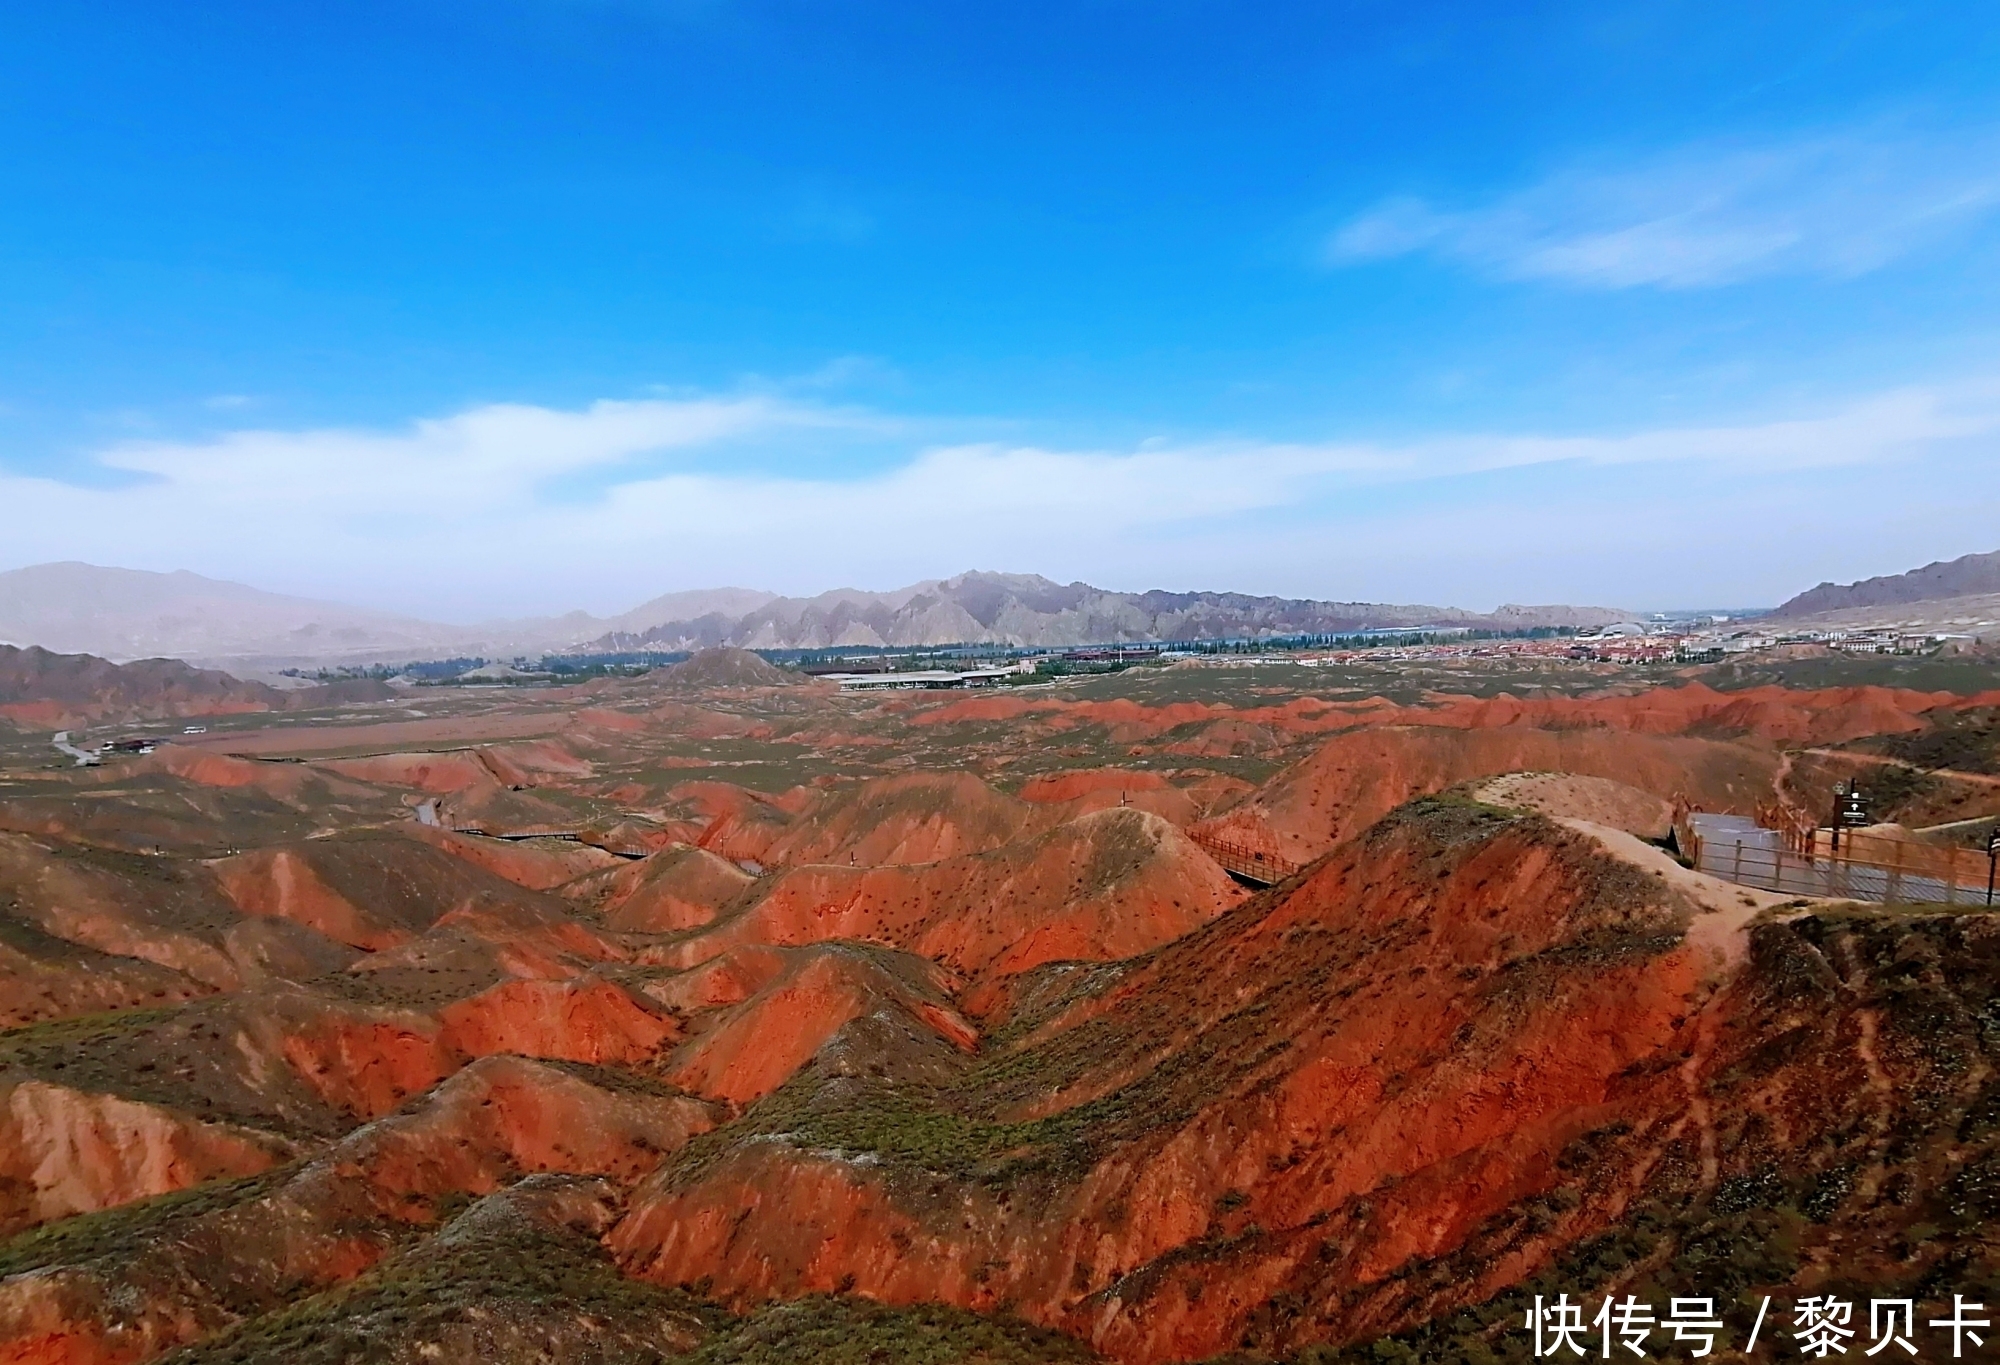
1838	205
508	510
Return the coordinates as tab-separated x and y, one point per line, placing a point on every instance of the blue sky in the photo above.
584	300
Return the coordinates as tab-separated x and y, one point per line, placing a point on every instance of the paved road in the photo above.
83	758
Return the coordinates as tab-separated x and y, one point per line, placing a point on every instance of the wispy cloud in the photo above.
1838	205
475	514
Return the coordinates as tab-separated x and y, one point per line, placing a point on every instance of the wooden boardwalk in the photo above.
1256	866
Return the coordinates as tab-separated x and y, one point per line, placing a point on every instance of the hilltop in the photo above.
1966	576
725	667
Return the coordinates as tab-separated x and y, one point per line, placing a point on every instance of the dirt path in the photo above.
1721	932
1978	779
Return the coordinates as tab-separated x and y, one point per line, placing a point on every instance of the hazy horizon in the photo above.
494	619
518	309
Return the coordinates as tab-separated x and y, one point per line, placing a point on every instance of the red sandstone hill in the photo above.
1354	779
678	888
917	817
725	667
1345	1107
1106	885
286	1076
1461	1049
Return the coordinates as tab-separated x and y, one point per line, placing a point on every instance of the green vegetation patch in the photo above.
184	1058
850	1331
1452	817
1962	741
129	1228
505	1280
1924	673
891	1126
50	1038
911	1127
493	1265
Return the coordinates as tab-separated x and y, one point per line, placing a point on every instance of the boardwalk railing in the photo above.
1861	866
521	832
1935	862
1251	864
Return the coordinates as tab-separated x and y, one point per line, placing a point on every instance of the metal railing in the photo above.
522	832
1242	860
1859	866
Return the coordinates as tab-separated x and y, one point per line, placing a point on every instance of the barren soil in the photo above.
717	1016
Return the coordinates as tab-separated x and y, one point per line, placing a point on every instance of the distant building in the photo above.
928	679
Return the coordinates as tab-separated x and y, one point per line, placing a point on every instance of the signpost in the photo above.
1992	859
1853	807
1850	810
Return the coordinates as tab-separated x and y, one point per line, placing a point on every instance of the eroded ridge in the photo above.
925	1028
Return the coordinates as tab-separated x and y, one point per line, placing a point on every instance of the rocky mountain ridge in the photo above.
1966	576
1029	610
126	614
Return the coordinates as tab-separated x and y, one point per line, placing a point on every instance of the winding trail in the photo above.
1884	760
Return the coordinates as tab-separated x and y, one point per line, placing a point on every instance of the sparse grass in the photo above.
183	1058
519	1284
1452	817
843	1330
915	1131
1962	741
1965	676
615	1079
121	1231
77	1031
493	1264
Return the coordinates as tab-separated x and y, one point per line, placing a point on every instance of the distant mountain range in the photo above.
124	614
1025	609
1966	576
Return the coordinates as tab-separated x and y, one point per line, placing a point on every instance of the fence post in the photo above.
1895	886
1736	868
